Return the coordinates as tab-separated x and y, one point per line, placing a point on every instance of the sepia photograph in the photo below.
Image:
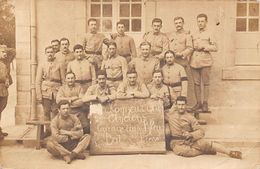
130	84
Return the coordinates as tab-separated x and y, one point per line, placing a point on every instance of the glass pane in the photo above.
95	10
124	0
253	9
107	10
241	24
107	0
126	23
124	10
136	0
95	0
107	25
241	9
136	25
241	0
136	10
253	25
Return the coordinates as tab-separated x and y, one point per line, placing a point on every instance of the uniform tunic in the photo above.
139	89
64	58
4	77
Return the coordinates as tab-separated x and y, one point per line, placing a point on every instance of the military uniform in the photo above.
159	44
180	124
175	77
139	89
74	96
145	68
92	44
116	68
4	80
84	71
201	61
50	76
64	58
125	46
61	145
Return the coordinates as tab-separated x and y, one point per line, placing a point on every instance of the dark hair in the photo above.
111	43
145	43
64	39
48	47
120	22
55	40
70	73
181	98
158	71
102	72
91	19
63	102
131	71
169	51
77	46
178	17
156	20
202	15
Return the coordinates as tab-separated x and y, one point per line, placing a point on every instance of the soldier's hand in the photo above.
7	84
178	55
153	96
102	99
187	135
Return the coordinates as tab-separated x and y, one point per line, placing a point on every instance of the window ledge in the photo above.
241	73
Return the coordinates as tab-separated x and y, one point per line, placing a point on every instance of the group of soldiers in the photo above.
69	82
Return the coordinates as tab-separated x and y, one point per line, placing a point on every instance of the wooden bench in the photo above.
40	130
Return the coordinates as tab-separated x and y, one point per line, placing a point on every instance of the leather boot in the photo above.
196	107
205	107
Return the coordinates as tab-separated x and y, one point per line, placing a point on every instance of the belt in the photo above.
115	79
93	53
127	55
155	53
83	81
53	80
199	50
173	84
178	137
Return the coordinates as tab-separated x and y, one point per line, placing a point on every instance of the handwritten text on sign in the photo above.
128	126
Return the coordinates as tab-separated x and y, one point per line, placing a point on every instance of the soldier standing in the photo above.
201	61
125	44
84	71
158	40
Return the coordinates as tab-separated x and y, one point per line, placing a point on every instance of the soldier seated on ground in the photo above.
67	139
131	88
187	135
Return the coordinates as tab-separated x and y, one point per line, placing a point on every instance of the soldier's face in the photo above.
70	79
202	23
120	28
3	53
56	46
181	106
64	110
169	58
112	50
49	53
64	45
145	50
178	24
132	78
156	27
92	26
78	53
101	80
157	78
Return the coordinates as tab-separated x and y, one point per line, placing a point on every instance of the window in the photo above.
102	10
247	16
108	12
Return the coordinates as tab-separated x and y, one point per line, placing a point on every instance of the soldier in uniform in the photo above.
93	43
158	40
131	88
4	84
55	45
115	66
125	44
84	71
187	135
174	76
201	61
145	65
49	78
67	139
100	92
73	93
64	56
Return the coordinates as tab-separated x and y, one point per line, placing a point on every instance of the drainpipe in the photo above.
33	59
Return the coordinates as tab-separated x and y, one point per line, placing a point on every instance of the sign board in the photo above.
127	127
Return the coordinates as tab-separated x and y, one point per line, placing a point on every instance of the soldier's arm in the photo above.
197	132
112	95
144	93
184	82
133	48
62	74
212	46
165	47
89	95
77	102
93	74
157	65
124	67
55	131
121	93
189	48
77	131
38	82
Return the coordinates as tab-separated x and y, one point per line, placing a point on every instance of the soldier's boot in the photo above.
236	154
81	156
196	107
205	106
197	90
67	159
4	134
